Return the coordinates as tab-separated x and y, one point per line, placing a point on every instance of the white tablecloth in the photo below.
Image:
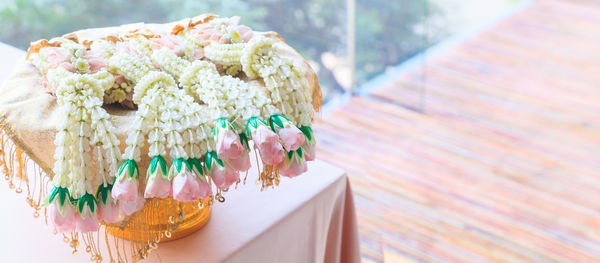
310	218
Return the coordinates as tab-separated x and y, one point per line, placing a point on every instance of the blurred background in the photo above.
385	32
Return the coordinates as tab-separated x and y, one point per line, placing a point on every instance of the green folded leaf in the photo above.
178	164
299	152
210	156
55	191
153	164
208	160
122	167
156	161
223	123
92	205
88	200
254	123
63	195
81	204
163	165
196	163
276	119
218	160
91	202
244	140
307	130
133	168
104	196
188	165
71	199
102	193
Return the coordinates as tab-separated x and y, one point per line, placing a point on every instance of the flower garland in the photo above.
187	73
285	81
121	89
288	89
202	79
219	30
51	57
80	97
224	54
168	117
78	60
235	88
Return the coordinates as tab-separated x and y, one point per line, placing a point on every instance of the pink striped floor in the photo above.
503	162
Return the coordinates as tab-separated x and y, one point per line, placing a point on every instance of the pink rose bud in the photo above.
109	212
245	32
205	189
158	184
240	164
129	208
125	190
222	176
58	57
63	217
169	42
87	221
124	47
164	41
158	187
205	32
198	172
125	187
68	66
96	59
96	64
108	209
229	145
267	142
309	151
291	138
185	186
292	167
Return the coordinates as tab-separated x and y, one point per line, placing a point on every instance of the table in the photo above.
306	219
309	218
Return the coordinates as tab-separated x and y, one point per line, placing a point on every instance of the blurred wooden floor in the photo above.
502	163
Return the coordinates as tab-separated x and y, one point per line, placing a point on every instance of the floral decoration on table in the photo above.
208	94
